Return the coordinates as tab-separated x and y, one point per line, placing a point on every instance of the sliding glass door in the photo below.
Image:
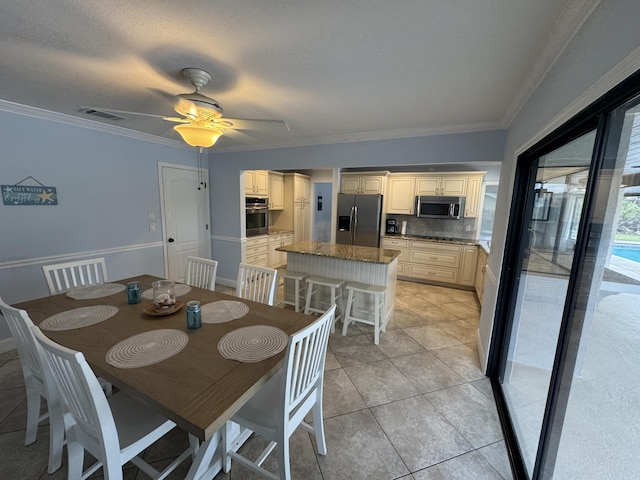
566	360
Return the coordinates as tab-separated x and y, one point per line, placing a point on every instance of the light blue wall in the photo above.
107	184
225	168
607	38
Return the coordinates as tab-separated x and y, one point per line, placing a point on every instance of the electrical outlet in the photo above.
467	228
152	216
152	227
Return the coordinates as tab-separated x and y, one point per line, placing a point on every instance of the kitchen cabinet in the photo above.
400	198
276	191
359	183
481	270
275	257
301	222
444	185
257	251
434	261
472	201
301	188
256	183
398	244
468	265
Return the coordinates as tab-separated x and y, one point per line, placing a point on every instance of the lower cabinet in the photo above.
481	269
257	251
451	263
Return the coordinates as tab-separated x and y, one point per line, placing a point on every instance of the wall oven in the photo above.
439	207
257	213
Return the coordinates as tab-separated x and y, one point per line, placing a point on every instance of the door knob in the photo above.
171	240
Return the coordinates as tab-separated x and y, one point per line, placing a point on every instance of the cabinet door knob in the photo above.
170	240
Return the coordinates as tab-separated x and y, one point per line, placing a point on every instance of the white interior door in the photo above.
185	215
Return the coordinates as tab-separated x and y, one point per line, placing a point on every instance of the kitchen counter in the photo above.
276	230
343	252
461	241
352	263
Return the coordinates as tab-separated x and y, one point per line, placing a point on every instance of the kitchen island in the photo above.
353	263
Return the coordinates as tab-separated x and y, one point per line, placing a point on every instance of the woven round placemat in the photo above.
253	344
147	348
95	291
79	317
179	289
223	311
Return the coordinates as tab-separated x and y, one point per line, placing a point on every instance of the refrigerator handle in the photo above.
355	225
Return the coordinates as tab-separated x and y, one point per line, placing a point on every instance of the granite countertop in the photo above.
344	252
462	241
276	230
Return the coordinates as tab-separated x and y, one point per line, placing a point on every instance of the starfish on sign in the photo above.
46	196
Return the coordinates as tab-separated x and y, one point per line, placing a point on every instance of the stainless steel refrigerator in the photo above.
359	219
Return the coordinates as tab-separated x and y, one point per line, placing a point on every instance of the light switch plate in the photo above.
152	227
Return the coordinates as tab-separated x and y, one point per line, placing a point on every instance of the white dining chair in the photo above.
280	406
257	283
201	273
37	389
64	276
115	429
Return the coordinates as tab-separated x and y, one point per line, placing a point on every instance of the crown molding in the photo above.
567	25
70	120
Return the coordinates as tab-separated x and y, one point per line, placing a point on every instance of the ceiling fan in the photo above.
202	122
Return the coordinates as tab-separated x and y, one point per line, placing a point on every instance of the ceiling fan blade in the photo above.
176	119
113	110
238	136
254	124
180	104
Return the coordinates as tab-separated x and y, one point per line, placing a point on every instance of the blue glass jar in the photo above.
194	314
133	293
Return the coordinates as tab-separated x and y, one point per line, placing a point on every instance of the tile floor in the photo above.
415	407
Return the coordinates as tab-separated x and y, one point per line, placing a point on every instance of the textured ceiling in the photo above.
334	70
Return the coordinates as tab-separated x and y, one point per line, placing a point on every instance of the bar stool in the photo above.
377	292
298	287
313	288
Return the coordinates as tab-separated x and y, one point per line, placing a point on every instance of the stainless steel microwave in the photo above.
439	207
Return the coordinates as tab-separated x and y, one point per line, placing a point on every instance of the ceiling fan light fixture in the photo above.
199	136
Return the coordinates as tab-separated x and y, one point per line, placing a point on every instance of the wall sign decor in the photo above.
29	194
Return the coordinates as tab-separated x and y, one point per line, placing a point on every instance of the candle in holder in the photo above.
164	295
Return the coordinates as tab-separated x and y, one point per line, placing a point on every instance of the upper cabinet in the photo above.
441	185
472	203
256	183
276	191
358	183
301	188
400	197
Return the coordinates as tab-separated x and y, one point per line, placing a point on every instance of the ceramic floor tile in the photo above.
437	298
470	466
331	362
354	350
460	310
302	458
496	454
419	433
463	360
11	374
465	330
404	318
472	413
20	461
426	372
12	417
396	343
358	449
484	385
434	314
380	382
340	396
431	337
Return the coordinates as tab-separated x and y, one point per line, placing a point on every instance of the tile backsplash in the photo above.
438	227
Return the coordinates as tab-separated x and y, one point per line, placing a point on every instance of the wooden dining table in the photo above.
197	388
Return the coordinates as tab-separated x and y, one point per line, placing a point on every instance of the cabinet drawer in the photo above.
402	269
259	250
256	241
433	273
430	257
277	238
287	239
452	248
395	243
261	260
